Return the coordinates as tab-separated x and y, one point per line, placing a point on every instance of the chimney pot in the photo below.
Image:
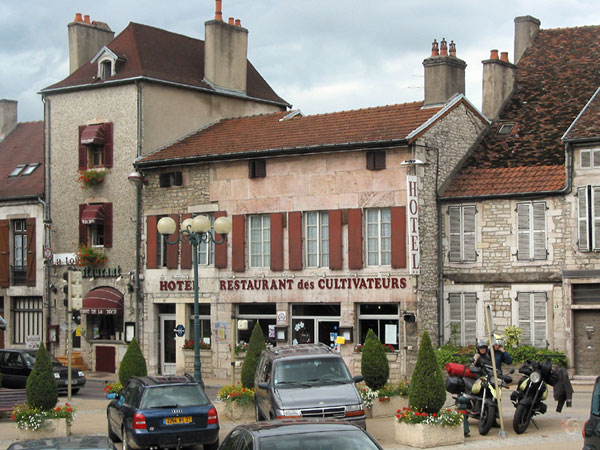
443	47
218	10
231	21
238	23
86	18
504	56
434	48
78	18
452	49
494	54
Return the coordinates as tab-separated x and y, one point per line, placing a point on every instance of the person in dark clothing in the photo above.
563	391
483	355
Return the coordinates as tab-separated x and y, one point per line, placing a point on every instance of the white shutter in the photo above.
469	318
539	230
582	219
596	217
525	317
585	159
539	319
523	231
596	158
454	230
469	233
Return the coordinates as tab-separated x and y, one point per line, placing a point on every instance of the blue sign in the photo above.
179	330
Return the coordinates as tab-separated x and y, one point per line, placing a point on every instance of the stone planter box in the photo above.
50	428
387	408
427	436
240	413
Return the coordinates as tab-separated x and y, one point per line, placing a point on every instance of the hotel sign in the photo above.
412	212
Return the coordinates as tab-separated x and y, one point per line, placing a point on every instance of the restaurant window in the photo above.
204	316
382	318
317	238
313	323
263	314
260	240
26	318
379	236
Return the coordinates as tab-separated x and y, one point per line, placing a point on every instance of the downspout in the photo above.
138	221
47	215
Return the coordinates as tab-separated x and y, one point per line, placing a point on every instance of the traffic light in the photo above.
75	290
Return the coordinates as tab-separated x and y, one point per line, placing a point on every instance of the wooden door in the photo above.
587	341
105	359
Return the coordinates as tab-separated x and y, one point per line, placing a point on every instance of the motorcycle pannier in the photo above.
459	370
455	385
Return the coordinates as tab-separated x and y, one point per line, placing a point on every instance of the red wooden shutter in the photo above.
238	256
276	241
221	249
108	144
82	150
4	255
31	263
108	224
355	239
186	247
398	237
172	250
295	240
151	237
82	227
335	239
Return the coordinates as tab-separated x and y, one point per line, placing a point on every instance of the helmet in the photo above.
481	343
499	342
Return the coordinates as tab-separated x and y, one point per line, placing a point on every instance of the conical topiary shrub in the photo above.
255	348
42	391
374	365
133	363
426	392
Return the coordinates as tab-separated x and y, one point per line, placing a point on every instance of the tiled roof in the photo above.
587	125
556	77
145	51
24	145
268	132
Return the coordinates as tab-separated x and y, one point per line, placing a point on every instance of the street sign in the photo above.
179	330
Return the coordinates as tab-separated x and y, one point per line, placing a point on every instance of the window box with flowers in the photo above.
91	177
423	430
36	423
388	348
189	345
91	257
386	401
238	401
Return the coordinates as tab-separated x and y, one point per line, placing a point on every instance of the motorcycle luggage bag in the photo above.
455	385
459	370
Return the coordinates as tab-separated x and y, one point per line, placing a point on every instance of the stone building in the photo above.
516	214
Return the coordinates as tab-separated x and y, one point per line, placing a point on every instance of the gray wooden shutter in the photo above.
539	320
469	318
454	229
469	253
583	243
539	231
525	317
586	159
596	217
523	232
454	300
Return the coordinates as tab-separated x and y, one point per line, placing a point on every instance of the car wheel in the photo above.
111	434
124	436
213	446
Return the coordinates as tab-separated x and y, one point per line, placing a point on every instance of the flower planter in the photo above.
50	428
427	436
236	412
388	408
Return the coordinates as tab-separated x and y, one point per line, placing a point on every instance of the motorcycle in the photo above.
474	391
531	392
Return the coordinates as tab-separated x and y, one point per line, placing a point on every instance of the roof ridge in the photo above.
137	24
368	108
577	27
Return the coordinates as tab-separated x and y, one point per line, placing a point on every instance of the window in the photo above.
264	314
95	224
257	168
206	251
313	323
463	318
588	218
17	170
95	146
317	238
105	326
462	233
506	128
532	318
20	251
26	318
376	160
170	179
161	247
260	240
95	156
29	169
531	230
379	237
590	158
204	316
382	319
105	69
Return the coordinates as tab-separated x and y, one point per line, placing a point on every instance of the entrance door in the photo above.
167	344
587	341
328	331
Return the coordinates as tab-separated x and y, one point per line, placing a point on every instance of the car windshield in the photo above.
331	440
311	371
30	359
175	395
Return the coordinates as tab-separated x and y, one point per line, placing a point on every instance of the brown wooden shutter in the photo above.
108	144
276	241
221	249
82	227
398	237
172	250
335	240
82	150
4	254
295	240
151	238
108	224
355	247
238	256
31	256
186	247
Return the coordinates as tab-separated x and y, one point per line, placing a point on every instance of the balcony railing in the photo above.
18	275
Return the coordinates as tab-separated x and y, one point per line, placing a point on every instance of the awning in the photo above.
93	134
104	300
92	214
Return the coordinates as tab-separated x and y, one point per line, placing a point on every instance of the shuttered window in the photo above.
462	233
260	240
316	225
531	231
588	218
533	318
379	237
26	318
463	318
590	158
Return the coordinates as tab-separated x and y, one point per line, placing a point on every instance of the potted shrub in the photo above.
238	401
374	365
386	401
133	363
253	351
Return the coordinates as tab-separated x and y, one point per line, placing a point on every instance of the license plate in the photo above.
176	420
73	381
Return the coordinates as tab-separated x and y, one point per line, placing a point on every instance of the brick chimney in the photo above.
526	29
86	38
444	74
225	52
8	117
498	83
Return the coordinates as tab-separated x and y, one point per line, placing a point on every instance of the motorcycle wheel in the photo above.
521	418
486	420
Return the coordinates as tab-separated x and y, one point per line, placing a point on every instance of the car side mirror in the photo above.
358	378
263	385
121	400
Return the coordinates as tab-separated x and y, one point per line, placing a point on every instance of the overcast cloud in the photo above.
319	55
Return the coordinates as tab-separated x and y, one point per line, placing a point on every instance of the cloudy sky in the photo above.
319	55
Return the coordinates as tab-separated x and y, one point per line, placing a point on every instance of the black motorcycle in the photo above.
531	392
476	392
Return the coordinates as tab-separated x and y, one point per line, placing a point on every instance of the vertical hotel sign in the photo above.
412	196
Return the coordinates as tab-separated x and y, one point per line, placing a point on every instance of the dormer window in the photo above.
106	61
105	70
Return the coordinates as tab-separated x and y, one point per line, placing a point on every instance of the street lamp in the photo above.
197	230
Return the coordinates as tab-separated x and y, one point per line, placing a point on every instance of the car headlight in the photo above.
56	375
81	374
288	413
535	377
355	410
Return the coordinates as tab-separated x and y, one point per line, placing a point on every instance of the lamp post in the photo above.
197	230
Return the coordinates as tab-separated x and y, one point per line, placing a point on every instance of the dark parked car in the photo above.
169	411
17	364
591	429
307	381
299	434
65	443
